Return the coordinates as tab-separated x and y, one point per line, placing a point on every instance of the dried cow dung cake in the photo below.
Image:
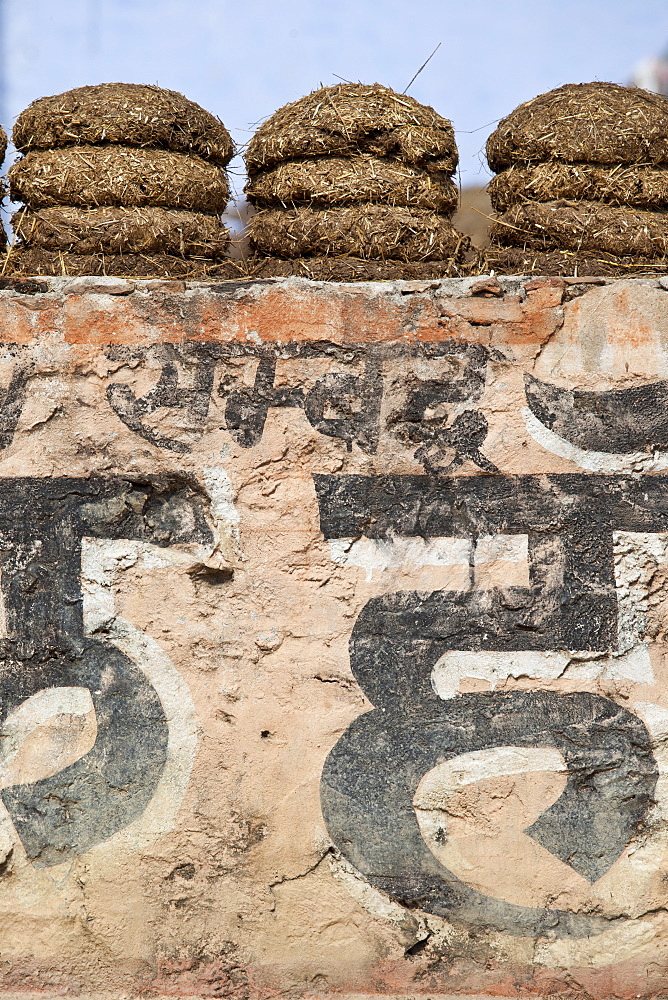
129	114
515	260
584	226
584	123
352	269
117	230
351	118
35	260
338	180
641	186
368	231
118	175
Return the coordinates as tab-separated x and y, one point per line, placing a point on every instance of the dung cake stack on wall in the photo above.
582	183
354	182
121	179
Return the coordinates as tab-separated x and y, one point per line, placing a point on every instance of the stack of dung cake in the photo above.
582	182
354	182
119	179
3	235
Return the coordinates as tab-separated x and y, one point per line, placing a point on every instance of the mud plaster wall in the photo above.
333	638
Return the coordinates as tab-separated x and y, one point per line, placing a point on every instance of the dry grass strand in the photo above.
129	114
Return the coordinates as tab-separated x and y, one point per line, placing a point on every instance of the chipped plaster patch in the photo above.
377	555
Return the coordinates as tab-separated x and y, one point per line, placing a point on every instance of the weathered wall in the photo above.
334	638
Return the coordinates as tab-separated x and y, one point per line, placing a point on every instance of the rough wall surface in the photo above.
334	638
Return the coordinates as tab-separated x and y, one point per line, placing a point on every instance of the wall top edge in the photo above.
454	287
489	310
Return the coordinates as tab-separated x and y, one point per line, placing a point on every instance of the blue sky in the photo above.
242	60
